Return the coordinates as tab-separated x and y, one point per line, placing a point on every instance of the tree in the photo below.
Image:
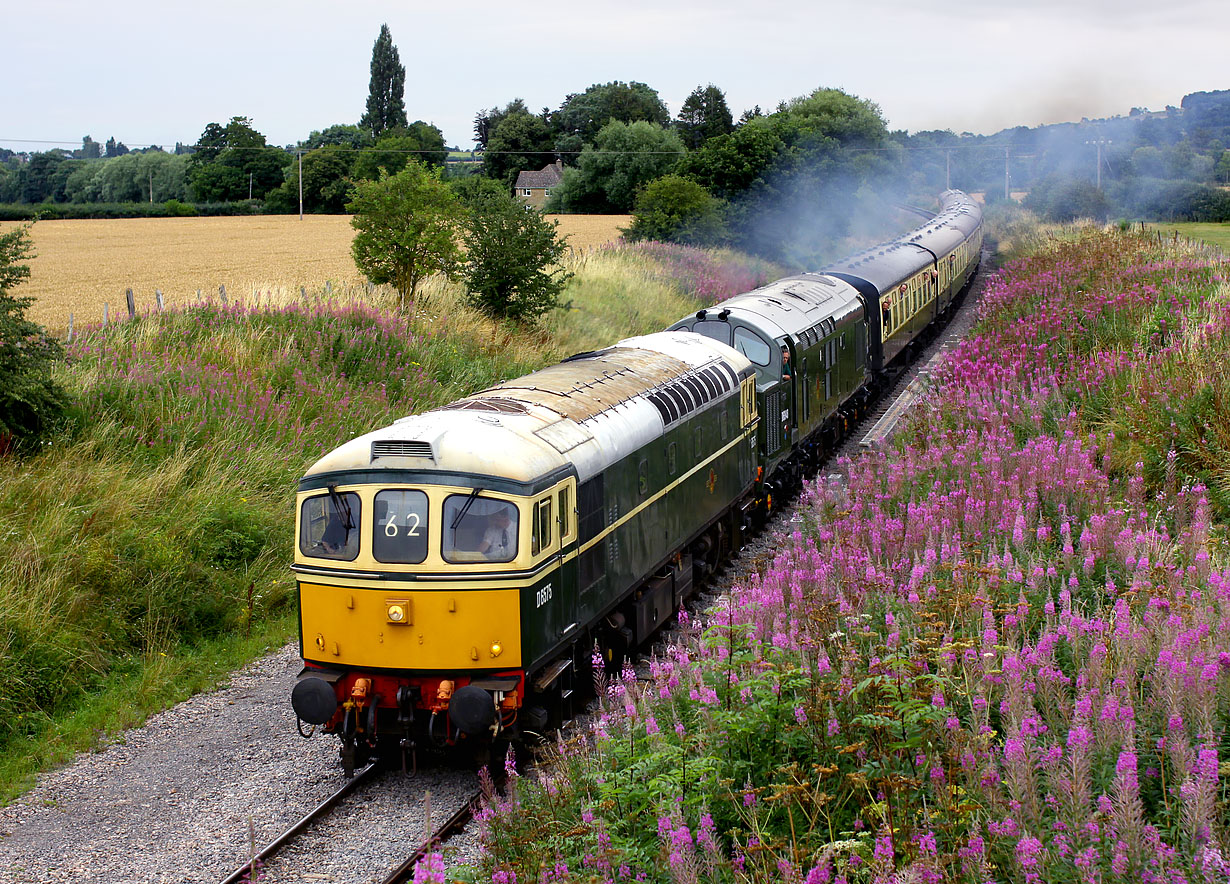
704	115
407	229
89	149
676	209
519	141
512	268
115	149
326	183
392	150
232	161
585	114
485	121
623	158
30	401
386	106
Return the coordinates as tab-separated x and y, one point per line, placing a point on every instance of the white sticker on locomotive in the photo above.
544	595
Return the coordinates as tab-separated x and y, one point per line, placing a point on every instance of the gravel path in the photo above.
173	800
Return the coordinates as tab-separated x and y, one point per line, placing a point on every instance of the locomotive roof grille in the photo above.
502	406
400	448
679	398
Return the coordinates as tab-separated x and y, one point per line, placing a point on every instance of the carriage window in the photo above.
478	529
753	346
399	527
672	458
329	526
719	331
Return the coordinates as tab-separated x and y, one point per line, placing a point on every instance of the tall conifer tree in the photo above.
386	106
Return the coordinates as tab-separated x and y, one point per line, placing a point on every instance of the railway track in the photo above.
874	428
336	841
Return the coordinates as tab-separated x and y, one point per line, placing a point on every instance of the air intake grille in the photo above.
773	429
401	449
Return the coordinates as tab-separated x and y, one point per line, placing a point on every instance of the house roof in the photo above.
548	176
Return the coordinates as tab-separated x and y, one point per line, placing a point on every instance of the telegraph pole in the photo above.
1007	192
1099	142
300	185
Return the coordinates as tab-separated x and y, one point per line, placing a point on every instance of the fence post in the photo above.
70	327
328	288
222	294
106	311
132	304
158	298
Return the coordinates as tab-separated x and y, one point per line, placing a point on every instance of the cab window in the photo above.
753	346
542	527
565	509
399	527
711	328
329	526
478	529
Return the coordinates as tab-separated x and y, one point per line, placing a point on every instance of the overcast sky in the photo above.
157	73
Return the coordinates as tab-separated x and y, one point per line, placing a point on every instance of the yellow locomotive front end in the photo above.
403	589
421	552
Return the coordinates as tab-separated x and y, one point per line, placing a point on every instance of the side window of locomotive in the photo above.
329	526
753	346
710	328
565	513
399	527
478	529
542	527
672	458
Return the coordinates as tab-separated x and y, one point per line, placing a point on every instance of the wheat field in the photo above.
81	265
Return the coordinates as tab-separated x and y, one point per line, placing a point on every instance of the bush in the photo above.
30	402
512	260
677	209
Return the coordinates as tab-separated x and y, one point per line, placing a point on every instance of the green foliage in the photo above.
677	209
585	114
704	115
730	164
469	188
232	162
1065	199
386	106
326	183
623	159
396	147
406	227
31	403
513	255
518	141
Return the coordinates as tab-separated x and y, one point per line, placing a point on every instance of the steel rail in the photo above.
451	827
241	873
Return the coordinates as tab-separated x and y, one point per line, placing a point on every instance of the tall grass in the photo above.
996	650
145	550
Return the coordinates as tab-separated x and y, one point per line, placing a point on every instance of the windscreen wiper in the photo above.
465	508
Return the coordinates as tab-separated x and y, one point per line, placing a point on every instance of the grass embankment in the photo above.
146	549
998	650
1214	234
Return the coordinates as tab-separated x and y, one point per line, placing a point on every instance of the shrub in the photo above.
30	401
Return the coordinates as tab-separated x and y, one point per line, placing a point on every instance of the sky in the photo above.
157	73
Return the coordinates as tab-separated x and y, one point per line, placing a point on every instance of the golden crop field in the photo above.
81	265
